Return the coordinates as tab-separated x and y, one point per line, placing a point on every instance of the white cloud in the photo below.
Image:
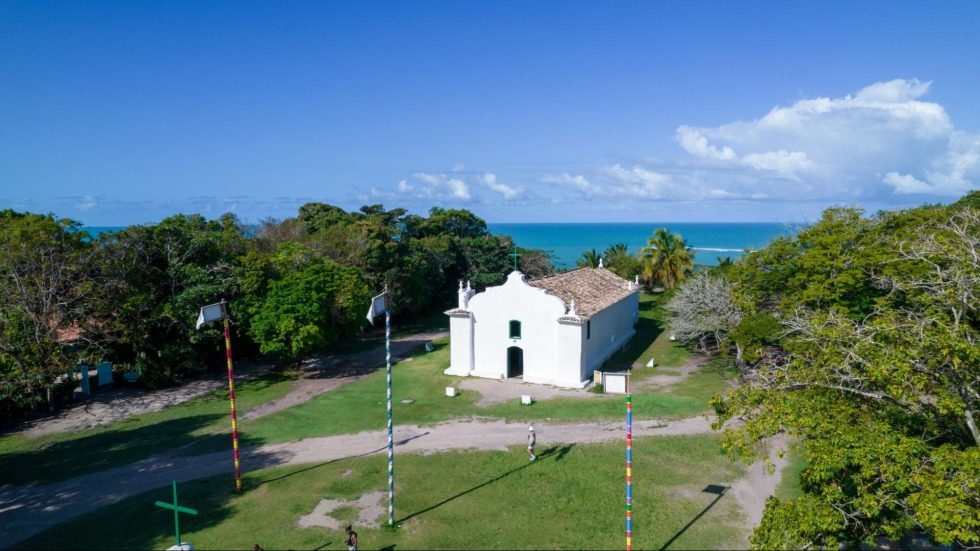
87	202
436	186
906	183
838	148
696	143
490	180
576	181
880	146
640	182
458	188
785	163
431	179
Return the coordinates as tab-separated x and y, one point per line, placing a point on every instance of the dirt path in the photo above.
116	404
320	374
27	510
669	375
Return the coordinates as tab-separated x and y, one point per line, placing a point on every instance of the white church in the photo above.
554	330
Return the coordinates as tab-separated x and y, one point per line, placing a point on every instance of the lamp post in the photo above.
215	312
380	304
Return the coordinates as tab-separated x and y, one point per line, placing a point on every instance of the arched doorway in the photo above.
515	362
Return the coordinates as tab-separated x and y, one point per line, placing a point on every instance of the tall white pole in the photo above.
391	444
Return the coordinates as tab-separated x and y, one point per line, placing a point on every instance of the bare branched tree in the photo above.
703	308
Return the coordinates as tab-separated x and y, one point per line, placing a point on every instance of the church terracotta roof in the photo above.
592	289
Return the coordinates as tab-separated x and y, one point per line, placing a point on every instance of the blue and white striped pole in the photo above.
391	441
629	472
378	304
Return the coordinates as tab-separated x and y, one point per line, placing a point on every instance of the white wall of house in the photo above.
608	331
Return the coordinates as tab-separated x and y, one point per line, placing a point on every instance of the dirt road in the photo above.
27	510
319	374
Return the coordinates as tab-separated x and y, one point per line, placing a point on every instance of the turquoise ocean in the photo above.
567	242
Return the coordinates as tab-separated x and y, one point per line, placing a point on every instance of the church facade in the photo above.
554	330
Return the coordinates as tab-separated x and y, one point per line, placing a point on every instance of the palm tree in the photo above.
619	261
725	263
667	259
589	258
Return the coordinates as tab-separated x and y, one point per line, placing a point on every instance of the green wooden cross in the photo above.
177	509
515	255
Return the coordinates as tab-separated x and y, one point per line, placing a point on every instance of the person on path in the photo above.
532	439
351	538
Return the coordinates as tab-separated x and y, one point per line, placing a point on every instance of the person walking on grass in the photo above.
351	538
532	439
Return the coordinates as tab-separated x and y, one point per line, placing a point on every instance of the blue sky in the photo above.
115	113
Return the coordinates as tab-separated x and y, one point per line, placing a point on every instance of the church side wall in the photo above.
610	330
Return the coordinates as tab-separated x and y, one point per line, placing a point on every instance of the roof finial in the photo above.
461	285
573	308
600	262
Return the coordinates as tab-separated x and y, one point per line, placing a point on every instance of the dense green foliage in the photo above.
46	286
309	308
862	338
294	286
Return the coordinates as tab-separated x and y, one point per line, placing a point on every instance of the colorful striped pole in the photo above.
231	397
391	441
629	473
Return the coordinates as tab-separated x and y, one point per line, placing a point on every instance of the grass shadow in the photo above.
102	450
470	490
716	489
138	524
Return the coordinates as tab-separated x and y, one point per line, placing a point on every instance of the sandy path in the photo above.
669	375
27	510
320	374
109	406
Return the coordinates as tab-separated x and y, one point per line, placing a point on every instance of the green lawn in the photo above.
361	405
714	377
650	341
789	484
571	498
65	455
201	425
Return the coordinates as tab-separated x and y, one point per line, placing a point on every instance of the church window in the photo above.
515	329
588	329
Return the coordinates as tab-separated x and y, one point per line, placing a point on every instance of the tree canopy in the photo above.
293	286
874	364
